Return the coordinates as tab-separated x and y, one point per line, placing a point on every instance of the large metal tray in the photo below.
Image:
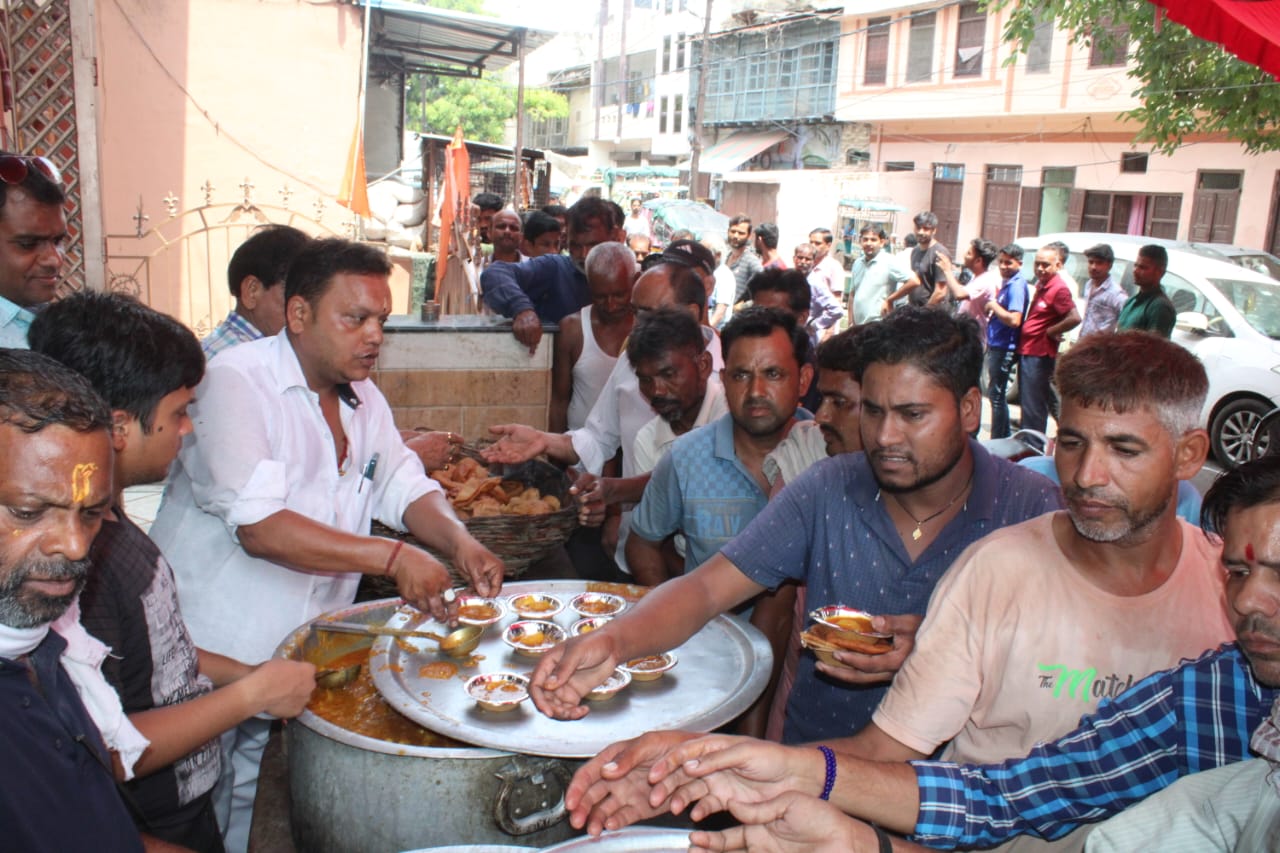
722	670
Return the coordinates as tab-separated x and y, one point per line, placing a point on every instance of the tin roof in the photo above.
421	39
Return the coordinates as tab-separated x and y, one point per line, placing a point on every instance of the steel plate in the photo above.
633	839
722	670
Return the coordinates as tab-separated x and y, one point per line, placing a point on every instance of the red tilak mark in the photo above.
1248	552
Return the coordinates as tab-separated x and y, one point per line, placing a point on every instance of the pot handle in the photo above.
531	796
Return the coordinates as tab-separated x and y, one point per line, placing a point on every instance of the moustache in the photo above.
1095	493
1256	623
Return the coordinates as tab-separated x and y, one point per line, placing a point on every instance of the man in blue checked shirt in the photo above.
1219	710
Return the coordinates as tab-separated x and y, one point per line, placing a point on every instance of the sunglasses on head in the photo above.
14	168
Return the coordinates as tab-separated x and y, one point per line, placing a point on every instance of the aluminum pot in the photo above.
350	792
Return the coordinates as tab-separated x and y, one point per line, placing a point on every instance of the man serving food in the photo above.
294	451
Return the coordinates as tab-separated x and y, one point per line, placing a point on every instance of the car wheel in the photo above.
1231	432
1013	391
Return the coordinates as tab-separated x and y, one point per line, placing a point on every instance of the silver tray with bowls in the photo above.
721	671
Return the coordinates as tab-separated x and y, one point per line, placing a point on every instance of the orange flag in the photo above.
354	192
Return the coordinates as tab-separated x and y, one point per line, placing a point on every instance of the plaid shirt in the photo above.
231	331
1195	717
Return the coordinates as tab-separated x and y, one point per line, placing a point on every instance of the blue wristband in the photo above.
831	771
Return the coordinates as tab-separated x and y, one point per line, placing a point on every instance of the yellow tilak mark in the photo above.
82	480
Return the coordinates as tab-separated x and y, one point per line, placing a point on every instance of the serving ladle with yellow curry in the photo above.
457	644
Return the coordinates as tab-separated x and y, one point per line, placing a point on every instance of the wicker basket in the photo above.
517	540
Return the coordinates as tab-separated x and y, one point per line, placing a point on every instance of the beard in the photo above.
24	608
1129	528
924	478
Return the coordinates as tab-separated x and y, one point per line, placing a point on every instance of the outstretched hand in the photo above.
612	790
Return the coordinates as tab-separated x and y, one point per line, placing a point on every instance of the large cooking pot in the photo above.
350	792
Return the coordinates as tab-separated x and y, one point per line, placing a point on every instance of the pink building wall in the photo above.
218	91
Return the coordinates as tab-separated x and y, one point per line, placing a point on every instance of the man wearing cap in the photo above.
1102	294
33	237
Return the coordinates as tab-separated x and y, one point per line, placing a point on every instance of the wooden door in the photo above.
1000	212
945	203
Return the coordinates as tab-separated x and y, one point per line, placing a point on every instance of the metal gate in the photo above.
179	265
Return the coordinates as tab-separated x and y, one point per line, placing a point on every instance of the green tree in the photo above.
1185	84
483	105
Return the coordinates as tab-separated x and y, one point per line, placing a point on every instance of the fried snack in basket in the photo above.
475	494
828	639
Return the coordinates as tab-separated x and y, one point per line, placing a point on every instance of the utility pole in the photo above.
518	161
696	142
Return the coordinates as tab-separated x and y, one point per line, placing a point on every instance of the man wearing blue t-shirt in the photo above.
873	530
1004	323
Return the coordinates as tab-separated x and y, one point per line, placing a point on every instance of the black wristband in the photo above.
886	843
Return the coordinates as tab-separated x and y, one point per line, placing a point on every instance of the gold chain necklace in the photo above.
920	522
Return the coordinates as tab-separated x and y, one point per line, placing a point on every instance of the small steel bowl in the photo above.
612	687
535	605
847	620
592	604
478	604
520	637
498	691
649	668
586	626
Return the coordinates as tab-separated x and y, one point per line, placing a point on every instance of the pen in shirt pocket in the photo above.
370	468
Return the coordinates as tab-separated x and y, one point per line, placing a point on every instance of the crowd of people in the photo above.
1065	648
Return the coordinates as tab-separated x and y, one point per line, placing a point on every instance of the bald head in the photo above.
670	285
611	268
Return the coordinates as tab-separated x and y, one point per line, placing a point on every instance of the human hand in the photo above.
612	790
479	565
875	669
569	671
434	448
280	687
609	533
516	443
421	581
790	823
527	327
718	770
589	491
885	307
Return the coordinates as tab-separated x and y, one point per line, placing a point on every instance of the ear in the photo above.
1190	453
971	410
296	314
704	365
251	289
120	420
806	378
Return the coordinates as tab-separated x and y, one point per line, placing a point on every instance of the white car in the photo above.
1228	316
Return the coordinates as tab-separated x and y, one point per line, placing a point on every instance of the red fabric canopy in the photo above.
1248	28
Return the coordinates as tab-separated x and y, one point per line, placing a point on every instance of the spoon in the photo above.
458	644
332	679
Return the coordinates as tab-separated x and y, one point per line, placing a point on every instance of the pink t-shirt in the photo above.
1017	645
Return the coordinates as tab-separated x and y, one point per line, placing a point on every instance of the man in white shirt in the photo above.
826	268
620	410
1103	296
33	237
294	451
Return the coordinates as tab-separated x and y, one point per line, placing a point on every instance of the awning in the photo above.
412	38
1250	29
728	154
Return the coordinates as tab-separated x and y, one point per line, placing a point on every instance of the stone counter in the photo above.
463	374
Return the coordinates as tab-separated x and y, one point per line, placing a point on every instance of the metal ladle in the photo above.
458	644
332	679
